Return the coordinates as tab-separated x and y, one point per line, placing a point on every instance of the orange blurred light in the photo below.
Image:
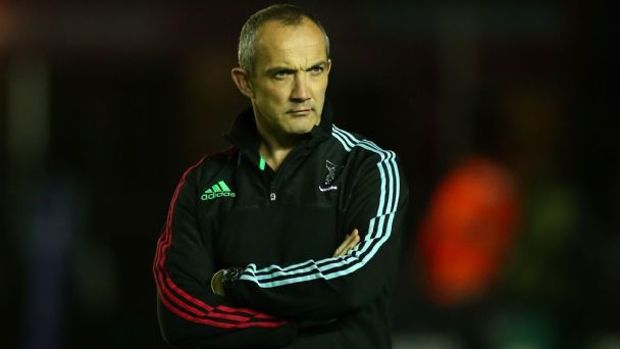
467	231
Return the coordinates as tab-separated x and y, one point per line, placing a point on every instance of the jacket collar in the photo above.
244	135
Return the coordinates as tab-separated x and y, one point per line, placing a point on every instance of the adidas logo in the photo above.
217	190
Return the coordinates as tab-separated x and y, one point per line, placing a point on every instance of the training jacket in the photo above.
275	233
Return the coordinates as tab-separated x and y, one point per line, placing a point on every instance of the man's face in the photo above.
290	78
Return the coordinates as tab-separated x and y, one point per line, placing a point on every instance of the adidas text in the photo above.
212	196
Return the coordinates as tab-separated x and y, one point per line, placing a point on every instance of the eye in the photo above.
281	74
317	69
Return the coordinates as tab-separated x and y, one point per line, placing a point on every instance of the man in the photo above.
290	238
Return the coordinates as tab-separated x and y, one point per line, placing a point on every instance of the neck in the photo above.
274	157
274	147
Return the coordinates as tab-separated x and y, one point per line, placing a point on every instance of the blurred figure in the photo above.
497	258
467	231
48	245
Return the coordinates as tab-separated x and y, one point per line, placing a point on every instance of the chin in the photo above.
299	131
301	127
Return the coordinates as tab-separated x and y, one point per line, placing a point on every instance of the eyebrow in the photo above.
290	70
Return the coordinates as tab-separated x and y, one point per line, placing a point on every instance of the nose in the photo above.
300	92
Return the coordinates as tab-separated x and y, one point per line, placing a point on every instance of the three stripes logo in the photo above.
217	190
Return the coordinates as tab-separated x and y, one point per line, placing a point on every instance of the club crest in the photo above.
331	168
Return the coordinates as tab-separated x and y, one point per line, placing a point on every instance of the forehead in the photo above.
278	43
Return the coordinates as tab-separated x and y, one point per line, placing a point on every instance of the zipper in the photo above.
276	178
295	156
271	188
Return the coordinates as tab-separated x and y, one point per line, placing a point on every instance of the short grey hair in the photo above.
289	15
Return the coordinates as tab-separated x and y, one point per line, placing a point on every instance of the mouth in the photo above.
299	111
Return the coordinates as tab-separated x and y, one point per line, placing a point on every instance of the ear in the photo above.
241	78
329	65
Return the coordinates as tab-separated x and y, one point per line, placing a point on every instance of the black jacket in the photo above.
280	230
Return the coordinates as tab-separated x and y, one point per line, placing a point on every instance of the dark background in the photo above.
103	104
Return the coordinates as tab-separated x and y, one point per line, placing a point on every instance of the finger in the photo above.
351	242
343	246
355	239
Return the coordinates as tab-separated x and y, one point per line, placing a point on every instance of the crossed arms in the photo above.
265	304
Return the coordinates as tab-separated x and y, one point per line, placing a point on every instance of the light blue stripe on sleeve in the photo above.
388	201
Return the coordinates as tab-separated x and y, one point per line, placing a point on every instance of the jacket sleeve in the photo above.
189	313
327	288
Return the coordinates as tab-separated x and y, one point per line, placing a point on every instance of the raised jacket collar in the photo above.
244	135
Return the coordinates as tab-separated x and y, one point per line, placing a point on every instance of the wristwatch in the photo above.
224	279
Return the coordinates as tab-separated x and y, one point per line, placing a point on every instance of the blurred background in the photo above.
501	112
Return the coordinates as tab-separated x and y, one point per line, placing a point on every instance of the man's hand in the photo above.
350	240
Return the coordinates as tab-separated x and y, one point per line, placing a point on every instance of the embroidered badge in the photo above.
330	177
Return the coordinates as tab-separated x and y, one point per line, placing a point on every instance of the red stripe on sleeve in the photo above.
194	309
214	323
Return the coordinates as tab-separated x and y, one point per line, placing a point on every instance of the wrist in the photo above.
224	279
